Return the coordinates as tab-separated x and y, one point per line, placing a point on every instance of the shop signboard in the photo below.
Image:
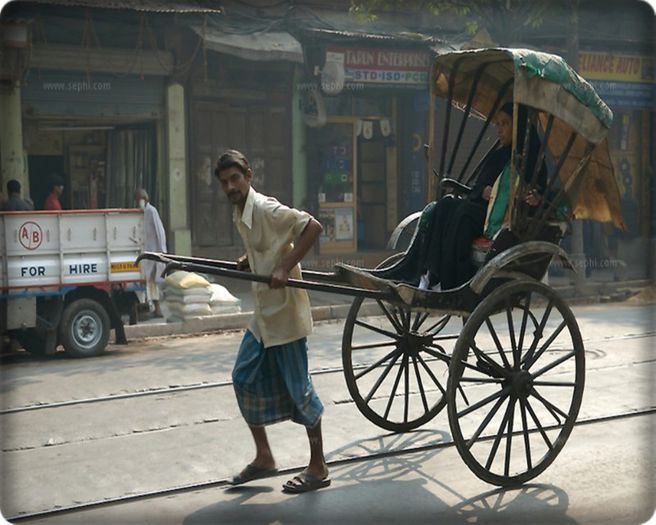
620	80
389	67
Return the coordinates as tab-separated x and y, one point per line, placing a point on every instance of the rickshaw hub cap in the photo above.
521	383
414	342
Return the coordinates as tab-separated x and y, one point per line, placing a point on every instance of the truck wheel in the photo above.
84	328
33	340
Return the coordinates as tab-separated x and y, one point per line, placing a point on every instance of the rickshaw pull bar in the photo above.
230	265
228	269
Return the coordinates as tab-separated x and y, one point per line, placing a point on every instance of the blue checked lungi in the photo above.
273	384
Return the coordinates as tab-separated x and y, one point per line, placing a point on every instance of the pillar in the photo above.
12	160
177	183
299	159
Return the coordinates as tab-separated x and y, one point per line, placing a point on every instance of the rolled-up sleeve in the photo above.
286	223
281	315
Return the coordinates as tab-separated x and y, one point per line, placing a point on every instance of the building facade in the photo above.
333	113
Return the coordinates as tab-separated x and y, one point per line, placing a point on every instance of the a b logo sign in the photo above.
30	235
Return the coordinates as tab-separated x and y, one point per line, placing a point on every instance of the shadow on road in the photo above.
387	489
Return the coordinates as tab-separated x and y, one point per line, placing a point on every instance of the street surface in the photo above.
105	441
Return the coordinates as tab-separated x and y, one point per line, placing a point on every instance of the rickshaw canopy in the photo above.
546	83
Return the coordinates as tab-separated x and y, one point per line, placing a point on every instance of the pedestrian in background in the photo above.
56	190
155	241
270	376
15	202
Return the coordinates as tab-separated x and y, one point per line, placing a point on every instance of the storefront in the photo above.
92	131
240	95
626	83
365	161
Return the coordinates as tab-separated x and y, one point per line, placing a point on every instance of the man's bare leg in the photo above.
263	454
317	466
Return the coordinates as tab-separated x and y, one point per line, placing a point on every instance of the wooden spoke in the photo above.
482	355
497	343
511	331
546	345
570	384
396	384
484	401
497	439
430	373
420	317
439	325
381	378
527	444
486	421
480	380
381	331
522	331
554	364
419	382
462	393
538	425
438	352
509	436
537	335
406	373
553	409
368	346
371	367
392	319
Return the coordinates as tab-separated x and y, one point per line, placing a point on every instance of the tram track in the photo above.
172	390
225	482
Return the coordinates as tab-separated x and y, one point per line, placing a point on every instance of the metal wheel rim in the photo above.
86	329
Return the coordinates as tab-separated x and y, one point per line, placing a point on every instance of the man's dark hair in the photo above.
13	186
507	108
56	180
232	159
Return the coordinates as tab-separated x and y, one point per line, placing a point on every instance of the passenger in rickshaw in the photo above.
440	256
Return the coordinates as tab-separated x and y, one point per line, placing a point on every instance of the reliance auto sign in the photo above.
382	66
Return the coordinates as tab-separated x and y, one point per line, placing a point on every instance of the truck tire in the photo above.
84	328
32	340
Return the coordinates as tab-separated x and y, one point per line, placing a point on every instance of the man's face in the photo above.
59	189
504	128
236	184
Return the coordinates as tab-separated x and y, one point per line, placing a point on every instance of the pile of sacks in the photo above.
187	295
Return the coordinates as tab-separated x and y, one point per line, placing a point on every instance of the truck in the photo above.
69	278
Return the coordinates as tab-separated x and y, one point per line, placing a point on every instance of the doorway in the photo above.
41	168
372	194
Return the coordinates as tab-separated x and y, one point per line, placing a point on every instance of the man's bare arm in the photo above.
302	246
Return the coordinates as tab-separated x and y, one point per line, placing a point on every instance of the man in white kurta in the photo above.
155	241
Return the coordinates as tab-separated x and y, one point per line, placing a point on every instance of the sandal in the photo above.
251	473
305	482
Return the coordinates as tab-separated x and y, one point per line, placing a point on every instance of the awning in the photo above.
146	6
252	46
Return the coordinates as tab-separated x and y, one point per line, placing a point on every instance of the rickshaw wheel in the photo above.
515	383
394	366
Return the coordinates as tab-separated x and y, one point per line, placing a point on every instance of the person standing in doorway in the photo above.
56	190
270	376
15	202
155	241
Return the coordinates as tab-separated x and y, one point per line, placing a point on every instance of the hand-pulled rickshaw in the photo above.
503	351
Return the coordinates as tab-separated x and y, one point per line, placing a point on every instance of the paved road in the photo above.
84	452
